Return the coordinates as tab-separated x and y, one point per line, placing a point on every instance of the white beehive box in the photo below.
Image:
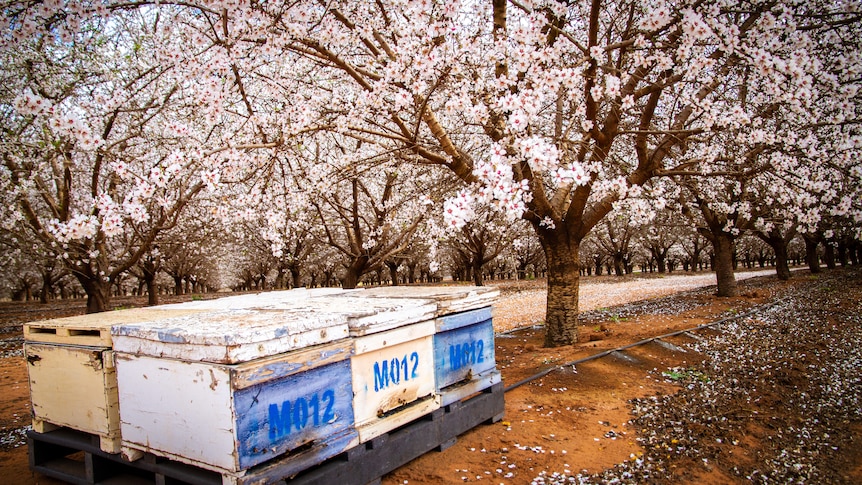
394	365
72	378
295	407
393	378
219	389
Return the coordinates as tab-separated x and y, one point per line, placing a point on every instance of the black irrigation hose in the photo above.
628	346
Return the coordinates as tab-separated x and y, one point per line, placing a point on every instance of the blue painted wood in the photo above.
292	363
462	352
458	320
283	414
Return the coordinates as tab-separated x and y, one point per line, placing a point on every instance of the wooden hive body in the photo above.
464	356
237	384
231	417
393	378
73	381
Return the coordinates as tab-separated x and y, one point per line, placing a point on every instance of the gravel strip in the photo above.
780	388
12	347
13	437
525	306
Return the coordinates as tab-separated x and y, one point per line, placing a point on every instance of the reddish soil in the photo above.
575	419
571	420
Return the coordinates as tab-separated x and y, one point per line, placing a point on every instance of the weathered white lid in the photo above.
366	314
449	299
93	329
229	336
233	329
242	328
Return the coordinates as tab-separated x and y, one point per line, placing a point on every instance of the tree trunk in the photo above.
477	273
779	247
811	243
854	253
354	271
782	268
47	278
152	293
149	269
661	263
619	268
279	278
842	254
563	262
295	275
98	293
350	280
829	255
393	272
723	263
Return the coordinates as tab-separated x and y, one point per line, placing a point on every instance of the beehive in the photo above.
73	381
393	378
229	389
71	362
229	418
463	325
394	366
464	360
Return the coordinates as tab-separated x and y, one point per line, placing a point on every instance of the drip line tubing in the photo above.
605	353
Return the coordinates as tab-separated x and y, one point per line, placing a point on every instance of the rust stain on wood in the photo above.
214	381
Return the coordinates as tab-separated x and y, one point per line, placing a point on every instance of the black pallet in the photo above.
57	454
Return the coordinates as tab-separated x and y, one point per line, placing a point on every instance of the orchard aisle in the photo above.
523	304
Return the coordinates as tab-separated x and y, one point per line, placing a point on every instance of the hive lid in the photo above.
93	329
454	321
229	336
366	315
448	299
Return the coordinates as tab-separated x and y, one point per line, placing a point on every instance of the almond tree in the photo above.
368	219
526	251
480	241
105	141
550	113
545	111
660	237
93	140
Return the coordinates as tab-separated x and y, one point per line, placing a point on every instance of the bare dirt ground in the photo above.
771	395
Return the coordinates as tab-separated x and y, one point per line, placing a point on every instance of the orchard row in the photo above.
357	137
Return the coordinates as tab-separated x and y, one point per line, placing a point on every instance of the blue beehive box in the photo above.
299	407
464	360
